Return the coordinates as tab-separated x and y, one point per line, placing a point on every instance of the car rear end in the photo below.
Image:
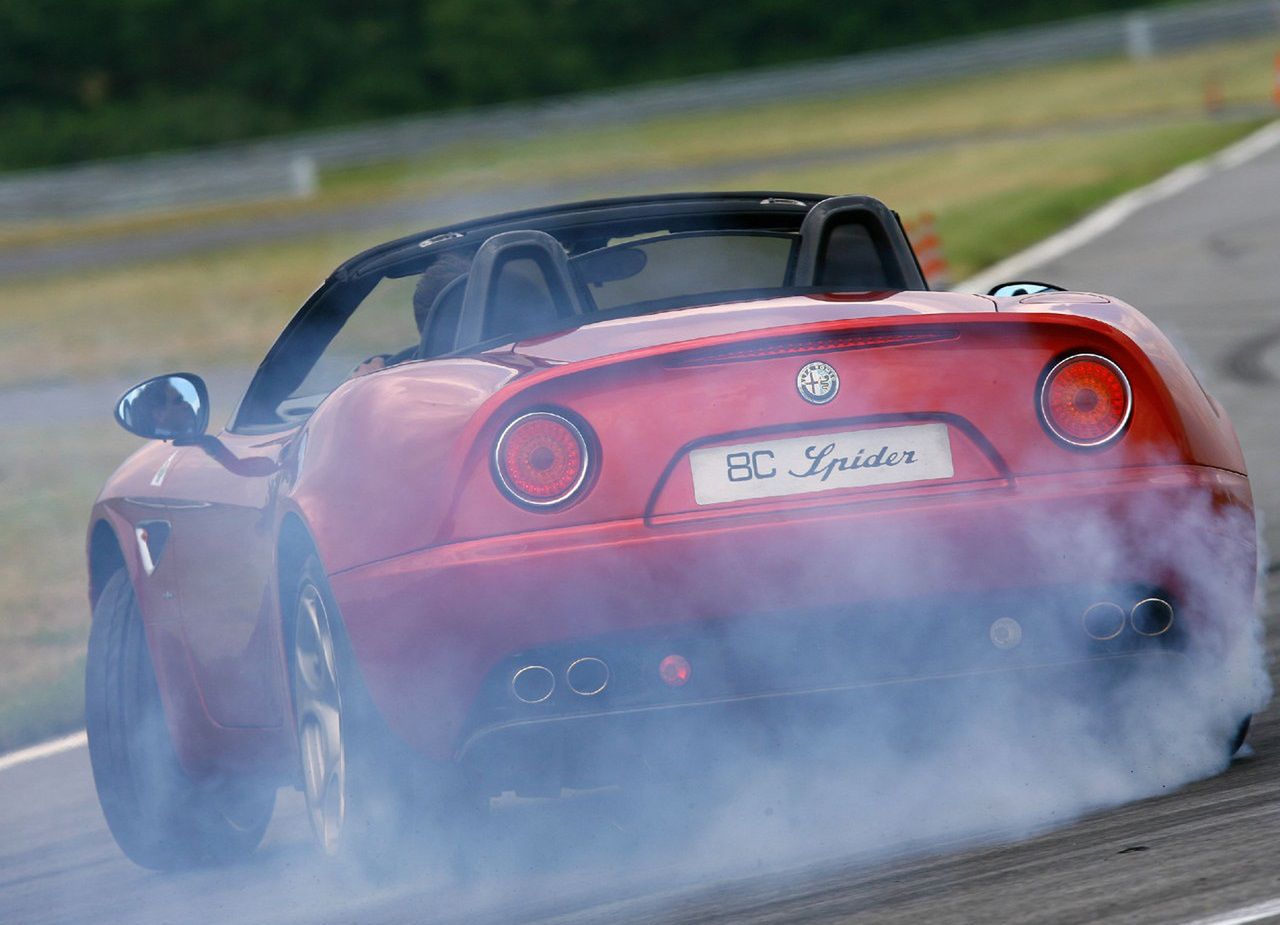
794	523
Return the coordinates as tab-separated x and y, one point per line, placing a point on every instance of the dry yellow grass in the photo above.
49	477
223	307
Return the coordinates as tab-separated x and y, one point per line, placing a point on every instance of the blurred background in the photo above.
176	178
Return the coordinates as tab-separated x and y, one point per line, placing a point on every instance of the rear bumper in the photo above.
701	736
431	628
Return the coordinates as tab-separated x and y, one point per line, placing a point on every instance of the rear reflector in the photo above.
1085	400
674	670
541	459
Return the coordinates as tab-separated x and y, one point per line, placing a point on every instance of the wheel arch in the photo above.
106	557
294	546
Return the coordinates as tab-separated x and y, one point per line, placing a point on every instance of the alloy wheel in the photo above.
319	714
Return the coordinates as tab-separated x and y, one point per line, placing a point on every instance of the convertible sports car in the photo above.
557	498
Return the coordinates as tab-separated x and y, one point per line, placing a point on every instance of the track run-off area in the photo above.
1198	253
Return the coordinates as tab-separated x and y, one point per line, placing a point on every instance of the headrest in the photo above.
855	242
520	280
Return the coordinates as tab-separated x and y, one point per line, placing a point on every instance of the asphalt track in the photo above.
1204	265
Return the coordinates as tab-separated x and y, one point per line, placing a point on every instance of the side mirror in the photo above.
1023	287
173	407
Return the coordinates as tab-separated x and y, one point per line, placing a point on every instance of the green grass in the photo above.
1091	135
45	709
49	477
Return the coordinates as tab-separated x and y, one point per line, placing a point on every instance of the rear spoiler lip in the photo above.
941	320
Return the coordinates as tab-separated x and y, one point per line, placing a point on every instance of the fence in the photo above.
288	166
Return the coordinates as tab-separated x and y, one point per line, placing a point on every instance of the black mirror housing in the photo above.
170	407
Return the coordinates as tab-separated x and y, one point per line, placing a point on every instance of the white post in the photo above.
1138	38
303	176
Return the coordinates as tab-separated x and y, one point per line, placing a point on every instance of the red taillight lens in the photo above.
674	670
1086	400
541	458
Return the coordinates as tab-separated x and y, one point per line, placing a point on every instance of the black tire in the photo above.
159	817
394	803
1242	733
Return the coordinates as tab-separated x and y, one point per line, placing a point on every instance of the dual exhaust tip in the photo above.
586	677
1105	620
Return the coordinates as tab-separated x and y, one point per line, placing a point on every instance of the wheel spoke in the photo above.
319	716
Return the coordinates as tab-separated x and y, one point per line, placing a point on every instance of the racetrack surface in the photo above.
1204	265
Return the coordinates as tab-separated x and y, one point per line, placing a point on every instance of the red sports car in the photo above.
554	498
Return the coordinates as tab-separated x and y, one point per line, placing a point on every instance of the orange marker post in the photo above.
923	233
1214	99
1275	83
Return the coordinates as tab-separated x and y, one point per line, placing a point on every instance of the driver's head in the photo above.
432	282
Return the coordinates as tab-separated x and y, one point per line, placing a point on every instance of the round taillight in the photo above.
541	459
1085	400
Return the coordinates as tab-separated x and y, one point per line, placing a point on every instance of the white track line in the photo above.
1243	915
43	750
1098	223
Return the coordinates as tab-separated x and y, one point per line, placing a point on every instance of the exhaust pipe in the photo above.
587	676
533	684
1151	617
1103	620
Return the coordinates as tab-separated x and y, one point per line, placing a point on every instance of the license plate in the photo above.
769	468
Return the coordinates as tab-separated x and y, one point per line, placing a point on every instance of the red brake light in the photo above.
674	670
541	459
810	343
1086	400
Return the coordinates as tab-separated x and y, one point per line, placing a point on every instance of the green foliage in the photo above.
124	76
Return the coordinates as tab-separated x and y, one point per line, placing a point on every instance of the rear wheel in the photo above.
158	816
367	793
318	712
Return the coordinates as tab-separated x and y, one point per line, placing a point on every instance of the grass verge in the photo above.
49	477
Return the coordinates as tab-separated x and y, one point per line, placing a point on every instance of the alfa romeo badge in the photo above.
818	382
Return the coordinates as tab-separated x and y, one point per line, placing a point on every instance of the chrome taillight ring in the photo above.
1047	379
512	491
